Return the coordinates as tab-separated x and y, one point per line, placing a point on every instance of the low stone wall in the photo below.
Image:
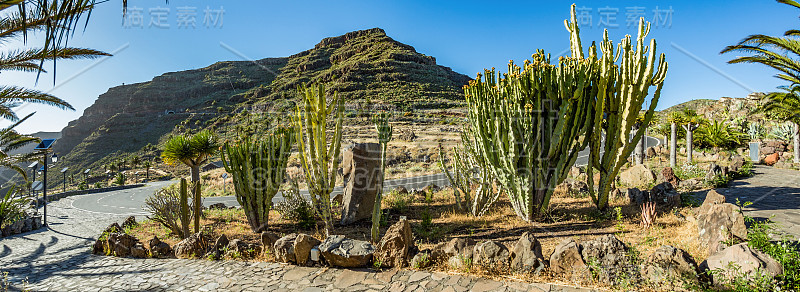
58	196
21	226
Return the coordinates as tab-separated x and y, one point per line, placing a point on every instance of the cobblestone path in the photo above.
58	259
775	194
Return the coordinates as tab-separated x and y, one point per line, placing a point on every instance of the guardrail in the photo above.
58	196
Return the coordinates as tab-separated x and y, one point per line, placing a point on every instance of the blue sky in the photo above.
464	35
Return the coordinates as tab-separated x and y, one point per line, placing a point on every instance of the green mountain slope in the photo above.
359	65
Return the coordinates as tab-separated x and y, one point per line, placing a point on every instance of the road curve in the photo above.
131	201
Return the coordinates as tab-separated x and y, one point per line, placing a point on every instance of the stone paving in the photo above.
58	259
775	194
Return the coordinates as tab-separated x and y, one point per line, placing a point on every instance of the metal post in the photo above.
64	190
44	190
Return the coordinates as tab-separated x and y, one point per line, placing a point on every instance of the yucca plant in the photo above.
258	168
319	156
193	151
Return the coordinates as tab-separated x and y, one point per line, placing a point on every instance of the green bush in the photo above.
119	179
785	251
718	135
165	208
11	207
398	201
294	207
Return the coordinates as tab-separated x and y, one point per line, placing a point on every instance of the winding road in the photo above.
131	201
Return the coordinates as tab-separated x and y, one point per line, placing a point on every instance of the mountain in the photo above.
364	65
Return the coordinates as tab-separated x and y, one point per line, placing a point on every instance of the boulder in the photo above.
138	251
637	176
217	206
670	267
766	150
608	259
718	221
526	256
668	174
491	256
715	170
221	242
191	247
120	244
421	260
651	152
268	239
393	249
737	161
636	196
691	184
236	248
302	248
159	248
664	195
343	252
113	228
771	159
740	261
566	260
130	222
454	247
284	249
361	169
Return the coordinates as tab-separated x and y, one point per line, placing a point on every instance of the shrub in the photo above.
688	171
165	208
398	201
785	251
119	179
294	207
718	135
11	207
781	132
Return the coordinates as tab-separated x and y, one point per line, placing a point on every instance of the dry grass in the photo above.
570	217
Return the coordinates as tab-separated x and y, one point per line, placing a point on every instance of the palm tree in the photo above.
192	151
10	140
57	19
785	106
779	53
147	166
675	119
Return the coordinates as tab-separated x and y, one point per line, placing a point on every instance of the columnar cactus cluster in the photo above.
384	129
469	172
258	169
622	85
319	157
530	123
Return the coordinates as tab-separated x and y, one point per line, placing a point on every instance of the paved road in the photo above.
131	201
775	194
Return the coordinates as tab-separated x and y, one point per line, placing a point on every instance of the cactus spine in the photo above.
184	201
318	156
381	121
621	91
258	169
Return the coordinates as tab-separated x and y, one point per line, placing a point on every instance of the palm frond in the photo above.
11	96
25	60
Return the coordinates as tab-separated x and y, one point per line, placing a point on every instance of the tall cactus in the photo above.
626	75
384	129
318	156
469	172
258	169
184	210
529	125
